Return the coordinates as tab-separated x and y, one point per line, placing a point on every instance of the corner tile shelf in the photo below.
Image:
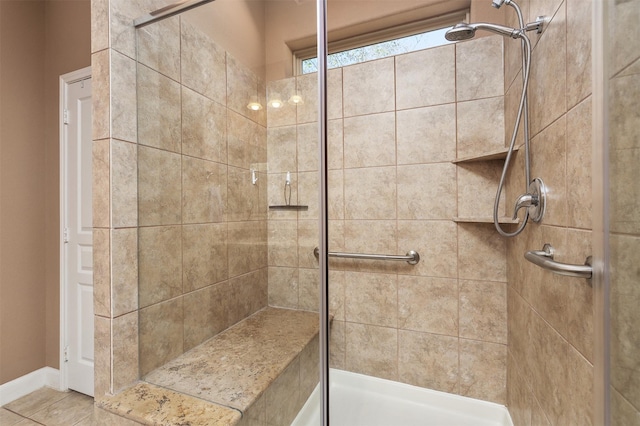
499	154
484	219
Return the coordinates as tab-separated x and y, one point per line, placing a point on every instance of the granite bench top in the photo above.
236	366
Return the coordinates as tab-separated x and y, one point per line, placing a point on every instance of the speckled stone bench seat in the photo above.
260	371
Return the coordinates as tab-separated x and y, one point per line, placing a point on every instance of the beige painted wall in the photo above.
39	41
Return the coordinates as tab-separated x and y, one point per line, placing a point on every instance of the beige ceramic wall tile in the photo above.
160	264
159	187
337	296
426	77
100	100
204	127
243	197
283	287
121	30
337	345
159	46
624	127
306	86
124	271
548	82
206	314
372	350
281	149
278	93
335	103
247	247
124	121
548	161
371	298
518	395
580	312
512	100
370	236
625	296
244	139
479	69
101	272
99	25
283	396
427	191
480	126
624	35
308	289
624	201
256	414
248	295
368	87
204	255
370	193
428	360
283	237
243	87
622	412
125	351
102	357
483	370
308	189
437	244
161	334
578	51
204	191
549	365
308	240
520	316
307	147
101	193
370	140
580	384
477	183
124	185
579	196
483	311
481	253
336	194
428	304
203	64
426	135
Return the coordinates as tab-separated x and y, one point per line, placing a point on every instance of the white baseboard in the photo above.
28	383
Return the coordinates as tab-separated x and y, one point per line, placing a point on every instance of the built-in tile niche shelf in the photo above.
289	207
499	154
485	219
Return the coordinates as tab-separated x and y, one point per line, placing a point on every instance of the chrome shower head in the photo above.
497	3
464	31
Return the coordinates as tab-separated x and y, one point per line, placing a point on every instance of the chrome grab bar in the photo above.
412	257
544	259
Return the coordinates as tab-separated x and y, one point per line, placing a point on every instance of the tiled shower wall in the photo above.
174	206
624	239
550	361
395	126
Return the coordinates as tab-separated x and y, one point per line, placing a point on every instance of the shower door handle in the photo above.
544	259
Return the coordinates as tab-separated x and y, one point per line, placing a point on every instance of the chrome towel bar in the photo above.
544	259
412	257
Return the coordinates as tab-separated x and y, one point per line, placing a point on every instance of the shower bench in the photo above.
262	369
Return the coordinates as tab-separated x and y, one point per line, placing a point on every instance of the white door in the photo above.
78	235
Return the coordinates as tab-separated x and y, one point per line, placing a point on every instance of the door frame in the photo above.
65	81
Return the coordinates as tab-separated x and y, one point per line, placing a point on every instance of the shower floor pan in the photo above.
359	400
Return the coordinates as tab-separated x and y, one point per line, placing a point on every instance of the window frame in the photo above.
380	36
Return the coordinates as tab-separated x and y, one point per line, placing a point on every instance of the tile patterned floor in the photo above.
49	407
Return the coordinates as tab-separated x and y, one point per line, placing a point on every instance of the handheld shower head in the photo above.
497	3
464	31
